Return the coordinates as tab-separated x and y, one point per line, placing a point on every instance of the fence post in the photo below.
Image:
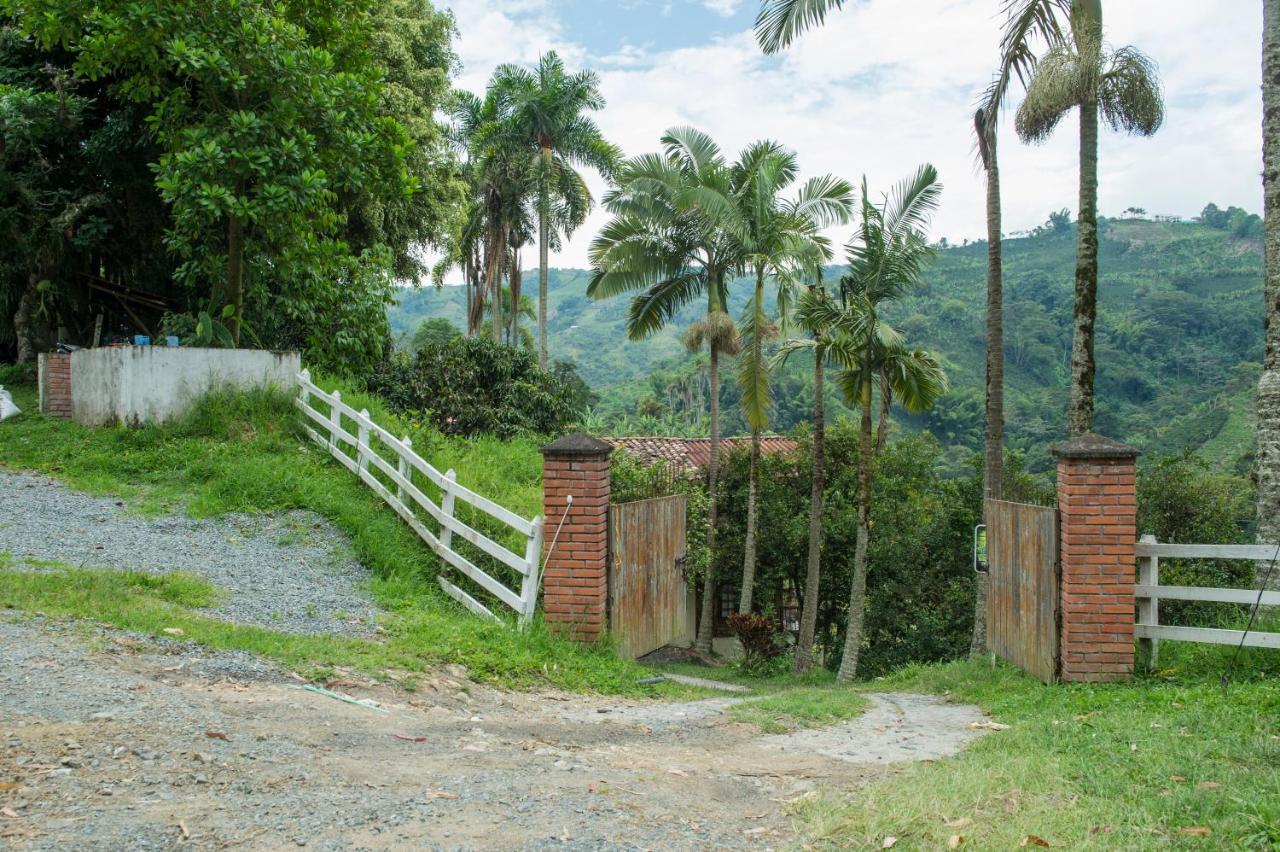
1097	506
304	395
533	575
1149	608
575	582
335	421
447	500
362	441
402	466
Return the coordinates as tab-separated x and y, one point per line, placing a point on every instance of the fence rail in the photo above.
329	430
1149	593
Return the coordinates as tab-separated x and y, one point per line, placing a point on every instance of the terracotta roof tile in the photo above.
692	453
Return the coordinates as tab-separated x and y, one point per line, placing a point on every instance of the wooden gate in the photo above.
648	604
1022	609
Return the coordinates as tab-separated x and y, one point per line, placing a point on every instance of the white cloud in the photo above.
727	8
882	88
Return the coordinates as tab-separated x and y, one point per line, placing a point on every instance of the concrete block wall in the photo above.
1098	506
575	590
54	380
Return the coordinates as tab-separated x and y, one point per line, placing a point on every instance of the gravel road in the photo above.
292	572
116	741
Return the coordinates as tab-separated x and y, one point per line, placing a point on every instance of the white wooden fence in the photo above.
1149	593
328	428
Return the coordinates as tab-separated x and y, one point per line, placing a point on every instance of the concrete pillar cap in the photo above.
1091	445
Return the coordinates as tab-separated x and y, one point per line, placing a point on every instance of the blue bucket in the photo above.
141	340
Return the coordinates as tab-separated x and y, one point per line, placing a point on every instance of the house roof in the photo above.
689	454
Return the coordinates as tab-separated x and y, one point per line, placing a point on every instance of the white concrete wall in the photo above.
134	385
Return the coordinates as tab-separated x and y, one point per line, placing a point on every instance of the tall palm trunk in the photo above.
516	279
235	275
706	623
753	486
1080	414
1269	386
544	254
813	575
23	321
753	512
886	403
993	447
858	591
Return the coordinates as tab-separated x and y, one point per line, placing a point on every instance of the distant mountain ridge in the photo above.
1179	340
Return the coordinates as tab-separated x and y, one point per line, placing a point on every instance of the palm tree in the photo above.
885	260
819	346
543	114
778	238
660	242
1122	86
1269	384
1028	21
780	22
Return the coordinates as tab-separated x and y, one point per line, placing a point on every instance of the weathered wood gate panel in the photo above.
648	606
1022	609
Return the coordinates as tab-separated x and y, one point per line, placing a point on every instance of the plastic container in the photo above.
171	340
141	340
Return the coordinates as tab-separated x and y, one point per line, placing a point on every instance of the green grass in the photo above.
243	452
1122	766
801	707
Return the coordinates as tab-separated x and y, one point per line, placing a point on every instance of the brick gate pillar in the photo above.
575	584
54	380
1097	505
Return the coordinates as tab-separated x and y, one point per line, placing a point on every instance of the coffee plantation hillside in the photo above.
1179	341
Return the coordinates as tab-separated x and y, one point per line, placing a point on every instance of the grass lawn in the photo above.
1169	761
244	453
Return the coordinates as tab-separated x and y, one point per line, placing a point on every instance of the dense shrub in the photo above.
472	386
1182	499
631	480
920	585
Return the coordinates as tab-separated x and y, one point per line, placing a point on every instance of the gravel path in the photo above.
116	741
293	572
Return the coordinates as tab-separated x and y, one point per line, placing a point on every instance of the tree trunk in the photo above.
886	402
544	254
23	321
993	447
493	280
235	276
1269	385
1080	414
753	513
858	591
809	612
706	625
516	279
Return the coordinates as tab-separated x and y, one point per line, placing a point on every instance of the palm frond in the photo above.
653	308
753	367
1057	87
1129	95
693	148
780	22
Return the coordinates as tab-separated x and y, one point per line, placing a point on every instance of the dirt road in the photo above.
112	741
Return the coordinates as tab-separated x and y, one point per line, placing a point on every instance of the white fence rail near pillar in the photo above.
437	524
1149	593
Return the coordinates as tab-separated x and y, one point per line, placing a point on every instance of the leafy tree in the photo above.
661	241
885	261
543	113
432	332
1122	86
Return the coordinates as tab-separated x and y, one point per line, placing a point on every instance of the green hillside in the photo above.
1179	342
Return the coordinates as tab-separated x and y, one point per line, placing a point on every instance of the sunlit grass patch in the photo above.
802	707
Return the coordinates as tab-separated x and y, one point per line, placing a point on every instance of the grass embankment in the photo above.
1172	760
245	453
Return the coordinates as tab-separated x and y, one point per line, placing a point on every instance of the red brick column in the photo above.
1097	505
575	591
55	383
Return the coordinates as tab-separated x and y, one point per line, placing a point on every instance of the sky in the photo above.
888	84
